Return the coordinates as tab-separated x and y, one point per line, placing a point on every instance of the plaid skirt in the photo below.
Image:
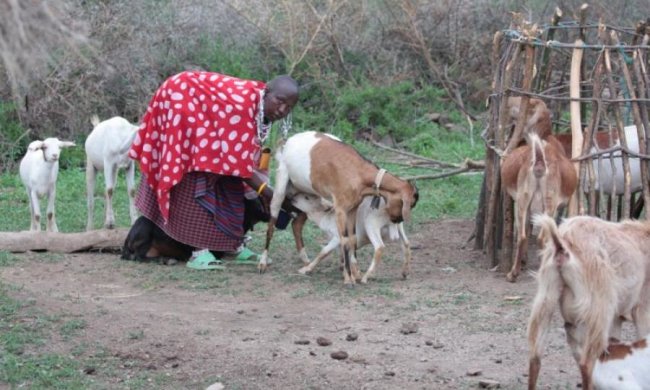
205	211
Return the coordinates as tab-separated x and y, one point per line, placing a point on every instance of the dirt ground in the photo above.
450	325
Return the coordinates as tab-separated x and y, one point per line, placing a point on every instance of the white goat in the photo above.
107	149
373	226
624	366
608	171
39	170
598	273
322	165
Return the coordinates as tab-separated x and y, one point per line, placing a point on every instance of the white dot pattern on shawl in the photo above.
180	130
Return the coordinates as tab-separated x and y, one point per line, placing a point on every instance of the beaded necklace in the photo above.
262	128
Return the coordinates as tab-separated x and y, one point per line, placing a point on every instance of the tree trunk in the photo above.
63	242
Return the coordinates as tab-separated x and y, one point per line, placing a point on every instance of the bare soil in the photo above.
450	325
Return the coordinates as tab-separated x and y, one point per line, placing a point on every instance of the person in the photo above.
198	148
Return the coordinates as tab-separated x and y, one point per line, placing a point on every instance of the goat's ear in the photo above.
35	145
406	209
66	144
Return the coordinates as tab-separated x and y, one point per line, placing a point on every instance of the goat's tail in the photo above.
126	145
94	120
588	275
538	160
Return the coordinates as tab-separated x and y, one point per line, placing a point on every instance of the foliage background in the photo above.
361	64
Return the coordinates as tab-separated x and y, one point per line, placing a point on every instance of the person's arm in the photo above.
259	182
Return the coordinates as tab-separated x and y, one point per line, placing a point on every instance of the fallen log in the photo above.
94	240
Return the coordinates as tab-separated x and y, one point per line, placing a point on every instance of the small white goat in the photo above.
373	226
107	149
39	170
598	273
320	164
624	366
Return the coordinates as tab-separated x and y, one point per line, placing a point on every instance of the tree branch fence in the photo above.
594	78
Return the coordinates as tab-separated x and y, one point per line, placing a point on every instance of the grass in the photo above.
23	329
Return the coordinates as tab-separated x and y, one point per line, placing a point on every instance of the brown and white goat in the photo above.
624	366
537	175
598	273
320	164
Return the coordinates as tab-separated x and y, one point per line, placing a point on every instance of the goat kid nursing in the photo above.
322	165
39	170
372	226
107	149
598	273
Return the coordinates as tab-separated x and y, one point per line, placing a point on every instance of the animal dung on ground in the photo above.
323	342
302	342
339	355
352	337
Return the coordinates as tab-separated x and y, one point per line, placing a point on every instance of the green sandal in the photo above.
245	257
204	260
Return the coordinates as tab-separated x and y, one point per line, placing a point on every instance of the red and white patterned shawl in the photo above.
198	121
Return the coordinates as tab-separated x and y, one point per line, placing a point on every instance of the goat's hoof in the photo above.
511	277
262	268
304	271
364	280
109	226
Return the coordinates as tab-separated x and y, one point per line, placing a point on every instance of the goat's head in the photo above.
399	204
306	202
51	148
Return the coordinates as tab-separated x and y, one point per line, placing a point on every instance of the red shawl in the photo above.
198	121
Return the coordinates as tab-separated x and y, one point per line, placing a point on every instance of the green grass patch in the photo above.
21	331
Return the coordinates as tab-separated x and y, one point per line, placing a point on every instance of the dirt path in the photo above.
180	328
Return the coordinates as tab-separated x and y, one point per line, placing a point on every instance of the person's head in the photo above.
280	97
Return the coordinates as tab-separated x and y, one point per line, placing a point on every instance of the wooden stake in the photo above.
576	125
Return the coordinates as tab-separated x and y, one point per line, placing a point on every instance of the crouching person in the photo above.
198	149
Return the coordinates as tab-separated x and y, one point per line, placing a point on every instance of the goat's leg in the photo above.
327	249
406	251
51	216
130	188
91	175
546	300
641	313
355	273
279	194
341	225
34	211
522	202
110	177
297	225
374	236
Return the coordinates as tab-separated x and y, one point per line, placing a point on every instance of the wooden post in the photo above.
576	124
494	193
642	87
527	83
627	197
548	54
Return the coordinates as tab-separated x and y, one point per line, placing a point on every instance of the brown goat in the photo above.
538	119
598	273
536	171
